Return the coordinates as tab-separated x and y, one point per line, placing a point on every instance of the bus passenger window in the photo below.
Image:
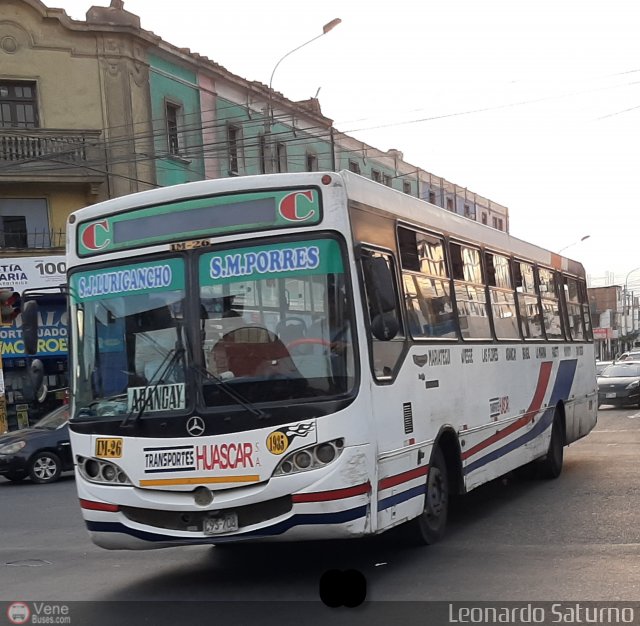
471	299
427	291
528	304
503	302
574	309
550	304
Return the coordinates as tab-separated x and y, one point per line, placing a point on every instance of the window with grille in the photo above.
281	150
312	162
234	145
18	104
172	112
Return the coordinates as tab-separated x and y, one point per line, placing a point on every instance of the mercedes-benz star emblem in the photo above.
195	426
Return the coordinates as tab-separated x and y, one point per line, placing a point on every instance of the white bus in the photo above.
307	356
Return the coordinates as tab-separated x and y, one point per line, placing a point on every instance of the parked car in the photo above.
40	452
632	355
600	365
619	384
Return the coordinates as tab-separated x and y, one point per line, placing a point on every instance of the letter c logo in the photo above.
289	207
94	233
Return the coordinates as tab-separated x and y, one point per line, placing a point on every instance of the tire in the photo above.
551	466
45	467
429	527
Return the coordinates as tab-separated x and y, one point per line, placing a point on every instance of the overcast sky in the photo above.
534	104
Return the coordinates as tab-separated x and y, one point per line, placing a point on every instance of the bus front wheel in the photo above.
429	526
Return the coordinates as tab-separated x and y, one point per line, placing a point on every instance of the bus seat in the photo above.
290	329
252	351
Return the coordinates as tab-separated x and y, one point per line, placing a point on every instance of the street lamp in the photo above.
626	281
269	118
325	29
574	243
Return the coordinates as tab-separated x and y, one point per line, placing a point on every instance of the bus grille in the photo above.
191	520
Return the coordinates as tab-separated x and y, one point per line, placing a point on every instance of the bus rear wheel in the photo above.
429	527
551	465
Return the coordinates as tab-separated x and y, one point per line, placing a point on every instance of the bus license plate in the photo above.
226	523
611	395
110	448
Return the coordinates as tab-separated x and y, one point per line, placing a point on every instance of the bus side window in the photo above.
502	297
530	316
383	311
427	290
550	301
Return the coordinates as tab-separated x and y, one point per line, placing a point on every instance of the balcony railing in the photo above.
33	239
34	145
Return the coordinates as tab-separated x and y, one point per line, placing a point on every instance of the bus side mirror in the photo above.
385	326
30	326
380	284
36	377
382	298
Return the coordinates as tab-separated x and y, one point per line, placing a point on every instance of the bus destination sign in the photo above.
199	218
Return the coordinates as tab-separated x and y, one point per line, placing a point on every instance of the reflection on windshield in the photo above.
129	340
54	419
275	337
274	325
621	371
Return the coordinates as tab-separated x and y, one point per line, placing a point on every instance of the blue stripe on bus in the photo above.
397	498
339	517
560	391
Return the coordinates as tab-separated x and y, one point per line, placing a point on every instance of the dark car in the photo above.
619	384
40	452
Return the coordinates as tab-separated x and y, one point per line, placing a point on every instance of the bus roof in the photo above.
358	188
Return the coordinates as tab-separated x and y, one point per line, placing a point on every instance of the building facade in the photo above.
99	108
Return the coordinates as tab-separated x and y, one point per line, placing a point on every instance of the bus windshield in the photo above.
276	322
129	339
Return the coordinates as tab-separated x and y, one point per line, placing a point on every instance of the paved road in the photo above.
575	538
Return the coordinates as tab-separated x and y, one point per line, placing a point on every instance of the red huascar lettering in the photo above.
224	456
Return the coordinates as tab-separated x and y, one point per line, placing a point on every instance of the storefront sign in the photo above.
20	273
52	334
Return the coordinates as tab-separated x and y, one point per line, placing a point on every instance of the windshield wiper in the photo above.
164	368
230	391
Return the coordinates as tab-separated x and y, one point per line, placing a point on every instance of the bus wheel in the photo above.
429	526
551	465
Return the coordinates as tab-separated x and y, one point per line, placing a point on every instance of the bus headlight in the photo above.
101	472
310	458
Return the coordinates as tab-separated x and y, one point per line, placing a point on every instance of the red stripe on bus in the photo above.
392	481
333	494
534	407
98	506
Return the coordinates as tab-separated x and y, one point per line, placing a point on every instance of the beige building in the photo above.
70	92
